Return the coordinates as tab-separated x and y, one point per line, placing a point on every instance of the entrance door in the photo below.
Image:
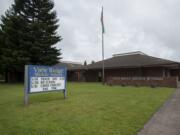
99	76
178	81
178	84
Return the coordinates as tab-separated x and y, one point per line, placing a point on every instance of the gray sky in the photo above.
151	26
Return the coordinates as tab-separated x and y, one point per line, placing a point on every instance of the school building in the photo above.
135	68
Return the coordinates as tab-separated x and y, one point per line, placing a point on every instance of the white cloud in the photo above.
131	25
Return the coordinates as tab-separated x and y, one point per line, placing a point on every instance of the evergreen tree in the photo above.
85	63
92	62
40	34
14	54
28	35
1	45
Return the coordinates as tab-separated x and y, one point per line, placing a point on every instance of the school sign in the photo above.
44	79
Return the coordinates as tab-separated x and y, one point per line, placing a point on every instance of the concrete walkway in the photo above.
167	120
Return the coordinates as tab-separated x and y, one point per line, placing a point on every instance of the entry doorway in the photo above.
178	84
178	81
99	76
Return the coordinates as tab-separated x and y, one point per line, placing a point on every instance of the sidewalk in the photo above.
167	120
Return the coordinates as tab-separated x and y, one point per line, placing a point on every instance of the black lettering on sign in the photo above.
45	89
54	78
58	84
54	88
44	85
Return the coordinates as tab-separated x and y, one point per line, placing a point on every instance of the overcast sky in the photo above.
150	26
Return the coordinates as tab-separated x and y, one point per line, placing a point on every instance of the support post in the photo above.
64	91
26	97
103	80
103	31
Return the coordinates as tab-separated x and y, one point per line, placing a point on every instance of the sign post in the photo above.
26	86
44	79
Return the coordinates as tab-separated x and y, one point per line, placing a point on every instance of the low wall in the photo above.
143	81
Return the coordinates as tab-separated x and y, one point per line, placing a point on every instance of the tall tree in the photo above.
12	28
11	51
85	63
29	31
40	33
1	45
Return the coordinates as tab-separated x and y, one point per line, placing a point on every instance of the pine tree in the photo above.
14	54
1	45
40	34
85	63
92	62
28	35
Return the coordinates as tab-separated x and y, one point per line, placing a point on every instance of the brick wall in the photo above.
143	81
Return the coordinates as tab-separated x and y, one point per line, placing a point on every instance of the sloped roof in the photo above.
134	59
70	65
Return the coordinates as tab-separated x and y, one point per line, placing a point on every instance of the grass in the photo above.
91	109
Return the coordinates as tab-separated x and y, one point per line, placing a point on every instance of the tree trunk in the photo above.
6	76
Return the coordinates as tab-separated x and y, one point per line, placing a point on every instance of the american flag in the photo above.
102	21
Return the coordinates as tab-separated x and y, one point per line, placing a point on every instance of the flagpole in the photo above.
103	74
103	80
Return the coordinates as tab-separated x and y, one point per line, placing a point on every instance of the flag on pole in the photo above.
103	31
102	21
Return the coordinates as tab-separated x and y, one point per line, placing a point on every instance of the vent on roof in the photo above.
130	53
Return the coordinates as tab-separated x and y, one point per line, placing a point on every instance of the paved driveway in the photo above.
167	120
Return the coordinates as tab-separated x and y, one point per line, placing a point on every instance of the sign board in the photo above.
44	79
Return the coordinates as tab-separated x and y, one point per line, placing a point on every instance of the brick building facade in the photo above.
130	65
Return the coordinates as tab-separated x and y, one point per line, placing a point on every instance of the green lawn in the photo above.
91	109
